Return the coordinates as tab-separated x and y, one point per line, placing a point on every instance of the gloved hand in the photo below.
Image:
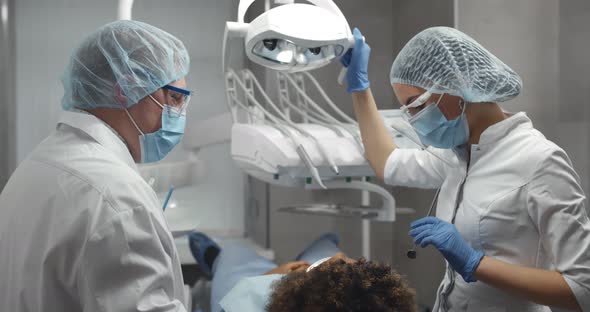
445	237
357	62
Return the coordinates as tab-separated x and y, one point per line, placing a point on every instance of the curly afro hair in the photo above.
341	286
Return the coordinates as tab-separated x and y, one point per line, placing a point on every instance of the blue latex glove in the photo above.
357	62
445	237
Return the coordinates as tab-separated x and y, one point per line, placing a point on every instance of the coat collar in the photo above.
500	130
100	132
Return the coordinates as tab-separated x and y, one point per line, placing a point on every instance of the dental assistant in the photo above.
80	230
510	220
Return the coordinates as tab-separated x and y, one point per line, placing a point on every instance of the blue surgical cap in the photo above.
136	57
445	60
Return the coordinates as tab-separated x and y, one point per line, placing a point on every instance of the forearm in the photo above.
540	286
377	141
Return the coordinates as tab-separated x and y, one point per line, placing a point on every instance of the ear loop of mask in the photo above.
462	113
151	97
138	129
133	122
462	106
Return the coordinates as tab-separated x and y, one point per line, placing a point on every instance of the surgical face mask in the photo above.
434	129
155	146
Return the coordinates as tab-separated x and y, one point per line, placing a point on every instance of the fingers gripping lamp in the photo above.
291	37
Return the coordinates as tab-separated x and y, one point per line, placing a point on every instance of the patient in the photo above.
246	282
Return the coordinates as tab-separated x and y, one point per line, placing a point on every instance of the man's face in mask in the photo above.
148	114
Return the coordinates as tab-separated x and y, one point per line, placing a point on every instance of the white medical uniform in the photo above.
518	200
80	230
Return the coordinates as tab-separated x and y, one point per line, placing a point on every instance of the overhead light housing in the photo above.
291	37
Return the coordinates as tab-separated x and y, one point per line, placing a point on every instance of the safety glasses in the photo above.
411	110
177	98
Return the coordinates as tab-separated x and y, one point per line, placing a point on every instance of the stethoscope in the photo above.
412	252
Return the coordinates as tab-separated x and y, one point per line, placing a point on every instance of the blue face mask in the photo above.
155	146
435	130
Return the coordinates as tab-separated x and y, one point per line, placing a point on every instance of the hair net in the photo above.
138	57
445	60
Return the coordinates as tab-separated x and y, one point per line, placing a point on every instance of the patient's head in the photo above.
343	284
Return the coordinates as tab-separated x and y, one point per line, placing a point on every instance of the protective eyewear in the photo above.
177	98
411	110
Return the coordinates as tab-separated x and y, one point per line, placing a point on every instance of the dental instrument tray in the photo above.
266	153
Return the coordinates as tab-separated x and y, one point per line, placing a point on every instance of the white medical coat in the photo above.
519	200
80	230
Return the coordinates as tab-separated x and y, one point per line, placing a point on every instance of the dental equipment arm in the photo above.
280	126
351	126
309	164
333	106
322	149
313	104
124	9
306	107
313	117
388	199
377	140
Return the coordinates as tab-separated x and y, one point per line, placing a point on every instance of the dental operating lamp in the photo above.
318	150
292	37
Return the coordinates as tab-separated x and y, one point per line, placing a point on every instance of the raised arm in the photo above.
404	167
377	141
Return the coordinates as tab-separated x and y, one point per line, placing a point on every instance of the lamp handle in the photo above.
242	8
232	30
124	9
325	4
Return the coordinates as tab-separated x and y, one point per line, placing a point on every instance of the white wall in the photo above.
46	33
45	40
523	34
574	81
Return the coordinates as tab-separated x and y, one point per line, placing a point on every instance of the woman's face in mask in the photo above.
449	105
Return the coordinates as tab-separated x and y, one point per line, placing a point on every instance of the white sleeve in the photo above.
127	266
556	205
414	168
